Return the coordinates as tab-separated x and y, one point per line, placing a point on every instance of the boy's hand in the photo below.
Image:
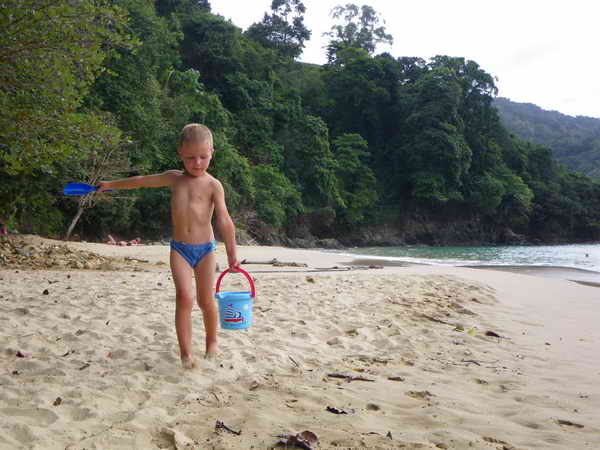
103	186
234	264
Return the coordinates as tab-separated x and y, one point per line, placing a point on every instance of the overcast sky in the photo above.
544	52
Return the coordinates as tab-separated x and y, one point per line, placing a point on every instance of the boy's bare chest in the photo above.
191	193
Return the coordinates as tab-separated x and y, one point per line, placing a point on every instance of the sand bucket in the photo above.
235	308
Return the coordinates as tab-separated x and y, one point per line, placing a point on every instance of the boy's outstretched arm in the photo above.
158	180
225	225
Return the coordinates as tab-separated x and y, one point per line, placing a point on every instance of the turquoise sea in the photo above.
579	262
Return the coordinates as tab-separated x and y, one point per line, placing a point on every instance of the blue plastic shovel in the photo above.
79	189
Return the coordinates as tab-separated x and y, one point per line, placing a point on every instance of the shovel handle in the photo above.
243	272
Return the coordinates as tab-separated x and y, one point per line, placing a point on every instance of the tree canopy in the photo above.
283	30
51	51
360	27
304	151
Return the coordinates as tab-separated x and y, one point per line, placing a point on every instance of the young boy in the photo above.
195	195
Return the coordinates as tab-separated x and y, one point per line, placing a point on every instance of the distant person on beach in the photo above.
195	195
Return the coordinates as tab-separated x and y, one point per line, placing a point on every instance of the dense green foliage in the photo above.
575	141
284	30
302	150
51	51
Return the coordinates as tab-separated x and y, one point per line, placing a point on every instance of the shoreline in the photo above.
332	260
577	275
453	357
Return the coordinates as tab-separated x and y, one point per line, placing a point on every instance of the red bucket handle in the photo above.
243	272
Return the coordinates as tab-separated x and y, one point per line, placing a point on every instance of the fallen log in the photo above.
275	262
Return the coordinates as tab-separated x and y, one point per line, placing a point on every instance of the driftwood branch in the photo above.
316	269
349	378
433	319
221	426
471	361
275	262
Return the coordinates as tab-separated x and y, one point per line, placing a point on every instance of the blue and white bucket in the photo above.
235	308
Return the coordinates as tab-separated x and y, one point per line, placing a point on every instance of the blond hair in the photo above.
195	132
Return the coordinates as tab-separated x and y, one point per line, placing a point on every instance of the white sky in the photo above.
542	51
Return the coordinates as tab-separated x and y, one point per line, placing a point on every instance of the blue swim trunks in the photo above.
193	254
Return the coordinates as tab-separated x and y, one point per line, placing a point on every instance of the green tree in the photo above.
411	68
166	7
360	27
357	183
104	155
50	53
283	30
486	193
358	97
277	199
517	201
433	156
134	85
212	46
309	162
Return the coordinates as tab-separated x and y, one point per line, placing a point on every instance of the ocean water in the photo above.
581	258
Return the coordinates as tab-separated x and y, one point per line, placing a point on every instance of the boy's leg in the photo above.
205	278
184	298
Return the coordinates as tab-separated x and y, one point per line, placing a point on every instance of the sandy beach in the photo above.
360	354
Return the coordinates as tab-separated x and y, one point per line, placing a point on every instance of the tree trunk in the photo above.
74	221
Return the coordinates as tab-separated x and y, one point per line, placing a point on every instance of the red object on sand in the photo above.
243	272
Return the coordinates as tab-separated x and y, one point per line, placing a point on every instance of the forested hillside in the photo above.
575	141
366	149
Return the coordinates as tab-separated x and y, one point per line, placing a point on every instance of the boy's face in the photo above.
196	157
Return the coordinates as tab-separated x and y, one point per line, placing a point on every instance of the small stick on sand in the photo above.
348	377
471	361
433	319
221	426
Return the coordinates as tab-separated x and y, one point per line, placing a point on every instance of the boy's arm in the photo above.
158	180
225	225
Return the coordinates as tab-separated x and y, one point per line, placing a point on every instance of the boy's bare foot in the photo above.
188	362
211	351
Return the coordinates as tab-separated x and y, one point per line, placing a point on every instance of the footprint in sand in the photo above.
420	395
119	354
53	374
160	328
69	337
248	357
239	342
100	317
38	416
172	379
298	333
80	414
160	339
22	433
28	365
169	358
336	342
381	343
357	348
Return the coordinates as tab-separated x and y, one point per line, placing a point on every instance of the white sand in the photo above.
101	367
